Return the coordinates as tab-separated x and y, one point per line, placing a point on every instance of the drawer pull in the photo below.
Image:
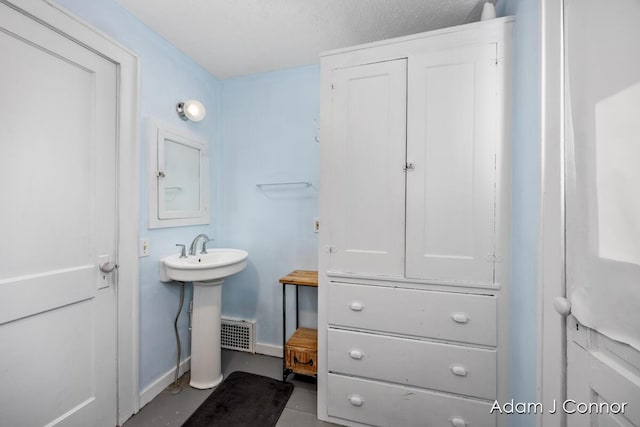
460	317
356	306
356	400
458	422
297	362
355	354
459	370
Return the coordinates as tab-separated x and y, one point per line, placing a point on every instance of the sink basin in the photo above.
208	268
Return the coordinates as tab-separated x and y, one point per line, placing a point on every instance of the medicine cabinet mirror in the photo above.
178	177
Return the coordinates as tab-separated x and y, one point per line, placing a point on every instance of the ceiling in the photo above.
239	37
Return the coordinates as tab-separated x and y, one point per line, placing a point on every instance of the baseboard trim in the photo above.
155	388
150	392
269	350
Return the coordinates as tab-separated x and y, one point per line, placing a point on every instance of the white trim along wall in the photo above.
551	357
63	22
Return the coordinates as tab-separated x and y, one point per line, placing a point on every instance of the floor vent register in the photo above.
237	335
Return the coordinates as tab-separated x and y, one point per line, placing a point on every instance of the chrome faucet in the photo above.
194	244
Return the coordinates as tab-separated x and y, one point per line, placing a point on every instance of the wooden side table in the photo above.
301	350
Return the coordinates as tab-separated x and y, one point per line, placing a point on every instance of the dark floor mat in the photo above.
242	400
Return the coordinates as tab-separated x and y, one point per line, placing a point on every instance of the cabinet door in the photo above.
451	137
368	149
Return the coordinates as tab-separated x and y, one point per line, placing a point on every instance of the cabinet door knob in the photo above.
460	317
458	422
355	354
356	400
356	306
562	306
459	370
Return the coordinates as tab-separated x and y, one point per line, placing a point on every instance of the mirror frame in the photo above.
159	217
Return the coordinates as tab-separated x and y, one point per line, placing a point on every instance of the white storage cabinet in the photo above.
414	206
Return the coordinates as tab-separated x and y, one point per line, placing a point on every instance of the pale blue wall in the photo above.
268	136
262	129
166	77
525	138
268	133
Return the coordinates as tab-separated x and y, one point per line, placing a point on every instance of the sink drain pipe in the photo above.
176	388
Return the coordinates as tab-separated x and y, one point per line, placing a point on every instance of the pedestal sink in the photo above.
207	272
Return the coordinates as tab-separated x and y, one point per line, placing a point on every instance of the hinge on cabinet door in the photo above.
330	249
494	258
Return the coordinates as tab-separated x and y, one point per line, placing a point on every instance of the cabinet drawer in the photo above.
301	361
301	352
441	315
382	404
443	367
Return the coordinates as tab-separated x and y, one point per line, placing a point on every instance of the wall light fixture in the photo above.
191	110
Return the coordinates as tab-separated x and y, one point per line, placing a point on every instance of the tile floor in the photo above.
168	410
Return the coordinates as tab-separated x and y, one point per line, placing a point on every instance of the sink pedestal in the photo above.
206	369
207	271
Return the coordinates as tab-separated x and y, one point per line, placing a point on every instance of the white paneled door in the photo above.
451	142
368	149
58	337
602	212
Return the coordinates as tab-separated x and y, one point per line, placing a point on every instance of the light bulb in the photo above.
191	110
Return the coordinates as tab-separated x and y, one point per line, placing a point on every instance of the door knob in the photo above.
107	267
562	305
